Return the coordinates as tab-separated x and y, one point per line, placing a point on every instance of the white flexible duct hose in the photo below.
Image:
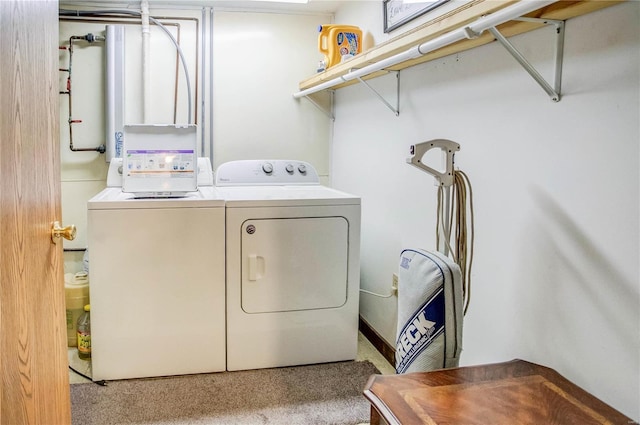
146	66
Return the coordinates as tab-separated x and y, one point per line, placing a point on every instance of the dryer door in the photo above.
291	264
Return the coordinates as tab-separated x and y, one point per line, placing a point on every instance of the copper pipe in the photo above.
71	121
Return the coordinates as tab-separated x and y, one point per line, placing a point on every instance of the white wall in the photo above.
372	21
259	59
556	195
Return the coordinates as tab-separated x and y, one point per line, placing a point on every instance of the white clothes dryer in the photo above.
157	282
293	265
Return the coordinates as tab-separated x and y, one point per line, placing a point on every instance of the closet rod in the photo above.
472	30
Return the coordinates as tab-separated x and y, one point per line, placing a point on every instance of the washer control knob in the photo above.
302	168
289	168
267	168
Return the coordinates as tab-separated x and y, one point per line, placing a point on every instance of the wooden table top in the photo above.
515	392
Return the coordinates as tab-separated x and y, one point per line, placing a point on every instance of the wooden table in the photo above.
515	392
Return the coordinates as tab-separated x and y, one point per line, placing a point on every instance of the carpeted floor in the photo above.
310	395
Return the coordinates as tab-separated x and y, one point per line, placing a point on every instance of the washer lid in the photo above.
114	198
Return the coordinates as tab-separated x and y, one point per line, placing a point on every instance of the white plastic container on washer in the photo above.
160	160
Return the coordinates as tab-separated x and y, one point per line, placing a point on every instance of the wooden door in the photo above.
33	354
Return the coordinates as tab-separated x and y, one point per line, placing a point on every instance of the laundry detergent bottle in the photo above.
338	43
84	334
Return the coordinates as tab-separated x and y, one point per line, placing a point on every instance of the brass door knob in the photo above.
67	232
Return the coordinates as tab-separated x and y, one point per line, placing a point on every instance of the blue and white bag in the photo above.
429	312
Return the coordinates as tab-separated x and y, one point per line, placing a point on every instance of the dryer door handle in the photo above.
256	267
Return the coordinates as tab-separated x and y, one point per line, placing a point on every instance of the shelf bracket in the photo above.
553	92
324	111
395	109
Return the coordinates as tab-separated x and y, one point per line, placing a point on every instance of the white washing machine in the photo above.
293	266
157	282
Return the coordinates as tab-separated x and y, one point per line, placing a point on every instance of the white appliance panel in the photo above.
293	264
157	290
160	160
279	172
286	338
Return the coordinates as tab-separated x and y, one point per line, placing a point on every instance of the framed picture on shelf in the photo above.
399	12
